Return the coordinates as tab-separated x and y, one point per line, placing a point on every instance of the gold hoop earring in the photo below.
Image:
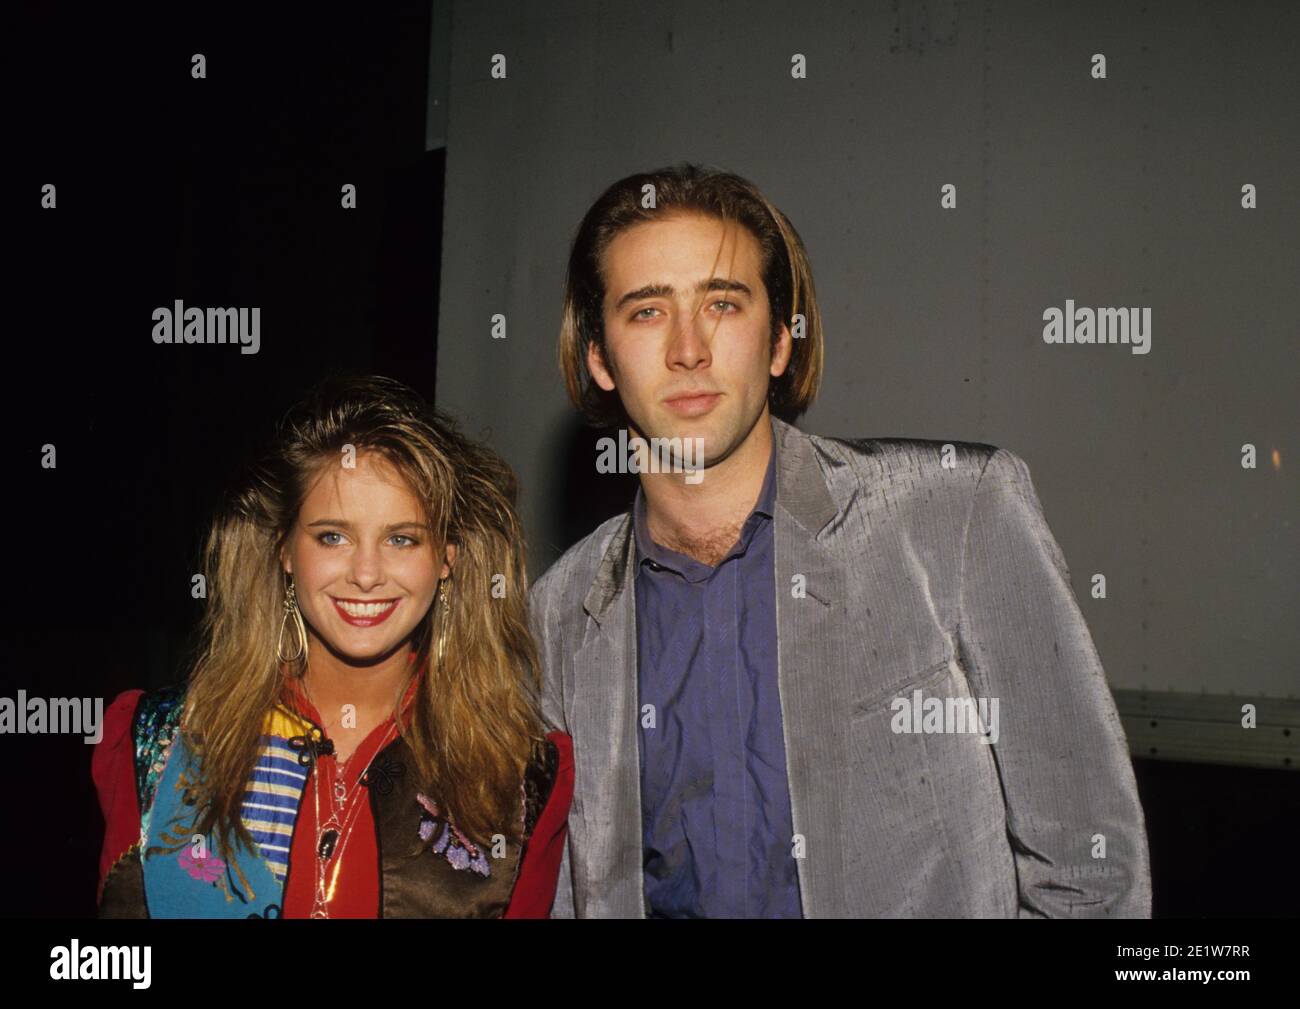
291	612
442	620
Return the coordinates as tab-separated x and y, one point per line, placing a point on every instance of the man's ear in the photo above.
782	351
596	365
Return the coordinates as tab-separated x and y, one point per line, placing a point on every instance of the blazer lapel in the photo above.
607	827
815	687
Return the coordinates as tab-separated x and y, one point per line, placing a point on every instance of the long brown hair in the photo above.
474	721
784	267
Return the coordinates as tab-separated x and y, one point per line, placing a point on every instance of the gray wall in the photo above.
1116	192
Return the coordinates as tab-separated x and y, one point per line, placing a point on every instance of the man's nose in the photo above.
690	343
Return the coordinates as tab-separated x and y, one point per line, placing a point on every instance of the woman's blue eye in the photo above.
412	541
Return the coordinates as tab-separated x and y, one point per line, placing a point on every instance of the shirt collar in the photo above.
650	552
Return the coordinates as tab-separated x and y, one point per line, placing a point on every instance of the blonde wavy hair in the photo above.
475	723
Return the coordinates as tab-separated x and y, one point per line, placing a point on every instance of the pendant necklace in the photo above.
333	834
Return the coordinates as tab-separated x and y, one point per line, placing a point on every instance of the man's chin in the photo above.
708	438
670	425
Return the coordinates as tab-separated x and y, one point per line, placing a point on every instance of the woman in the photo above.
359	735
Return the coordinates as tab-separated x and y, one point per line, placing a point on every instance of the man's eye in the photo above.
729	304
638	314
321	538
399	536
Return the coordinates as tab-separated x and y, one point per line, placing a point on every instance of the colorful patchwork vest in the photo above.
160	876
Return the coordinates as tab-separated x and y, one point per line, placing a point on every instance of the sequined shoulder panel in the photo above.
157	716
539	780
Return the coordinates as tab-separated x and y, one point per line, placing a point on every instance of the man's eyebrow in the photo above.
340	523
666	290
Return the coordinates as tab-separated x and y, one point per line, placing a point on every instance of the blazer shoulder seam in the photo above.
970	514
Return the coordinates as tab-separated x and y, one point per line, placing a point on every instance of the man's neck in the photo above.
703	520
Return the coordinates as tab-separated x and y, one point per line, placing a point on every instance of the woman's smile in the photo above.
365	613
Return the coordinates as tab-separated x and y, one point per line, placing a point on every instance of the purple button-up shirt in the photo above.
715	799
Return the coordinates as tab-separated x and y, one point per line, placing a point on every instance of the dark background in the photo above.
227	194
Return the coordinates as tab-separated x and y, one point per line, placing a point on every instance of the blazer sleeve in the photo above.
534	889
548	635
1061	752
112	767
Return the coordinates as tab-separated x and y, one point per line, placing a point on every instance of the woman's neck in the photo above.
373	691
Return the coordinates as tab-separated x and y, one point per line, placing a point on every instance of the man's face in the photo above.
688	331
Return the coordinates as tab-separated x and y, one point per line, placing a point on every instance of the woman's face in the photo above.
365	569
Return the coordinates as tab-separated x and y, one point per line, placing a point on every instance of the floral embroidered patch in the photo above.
208	869
448	841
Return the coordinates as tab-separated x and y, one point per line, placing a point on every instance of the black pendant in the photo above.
327	841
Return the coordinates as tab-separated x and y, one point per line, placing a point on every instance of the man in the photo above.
816	677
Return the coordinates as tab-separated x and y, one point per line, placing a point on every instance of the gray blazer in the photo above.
915	575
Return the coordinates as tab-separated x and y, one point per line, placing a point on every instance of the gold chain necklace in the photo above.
337	828
333	835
